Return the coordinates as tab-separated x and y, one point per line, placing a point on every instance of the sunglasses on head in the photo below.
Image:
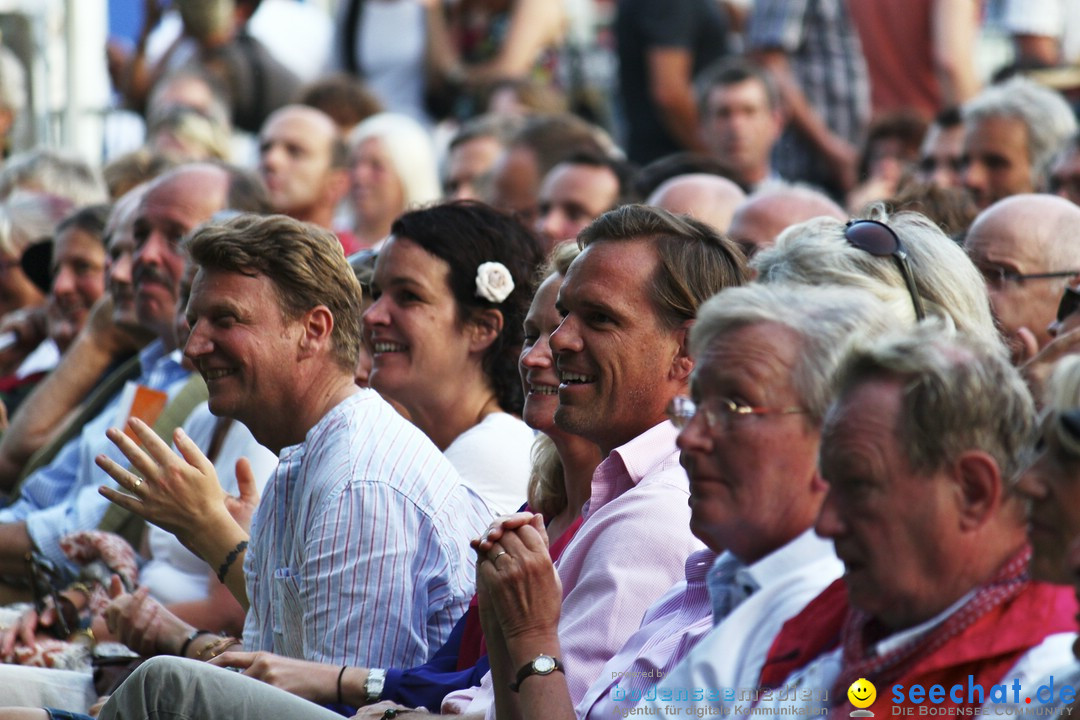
880	240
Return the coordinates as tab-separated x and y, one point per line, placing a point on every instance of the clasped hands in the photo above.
515	578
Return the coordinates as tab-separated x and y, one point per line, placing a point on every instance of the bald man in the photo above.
766	213
1028	248
302	160
709	198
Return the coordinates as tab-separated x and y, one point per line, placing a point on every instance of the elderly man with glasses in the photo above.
1027	247
936	605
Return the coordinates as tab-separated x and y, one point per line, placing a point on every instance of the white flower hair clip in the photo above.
493	282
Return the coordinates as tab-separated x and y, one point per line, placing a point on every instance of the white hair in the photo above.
411	153
1045	113
826	319
949	285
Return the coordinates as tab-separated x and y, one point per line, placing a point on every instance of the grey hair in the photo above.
960	393
411	152
826	320
45	170
1045	113
30	217
950	286
1062	395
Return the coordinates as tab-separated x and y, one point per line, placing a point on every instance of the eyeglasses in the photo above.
1070	303
681	410
880	240
998	276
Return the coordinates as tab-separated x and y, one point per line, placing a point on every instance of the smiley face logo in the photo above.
862	693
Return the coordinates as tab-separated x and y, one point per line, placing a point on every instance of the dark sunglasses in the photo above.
1070	420
1070	303
879	240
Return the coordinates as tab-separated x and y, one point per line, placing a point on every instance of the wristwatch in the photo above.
373	686
540	665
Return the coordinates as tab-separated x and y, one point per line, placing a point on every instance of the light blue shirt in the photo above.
359	549
62	497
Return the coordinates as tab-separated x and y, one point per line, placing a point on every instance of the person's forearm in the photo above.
671	90
218	543
800	114
679	115
539	697
219	611
441	56
15	544
534	24
955	24
42	414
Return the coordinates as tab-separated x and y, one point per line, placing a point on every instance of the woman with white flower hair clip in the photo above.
452	288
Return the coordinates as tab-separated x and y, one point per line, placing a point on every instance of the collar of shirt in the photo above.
150	354
898	640
627	464
800	552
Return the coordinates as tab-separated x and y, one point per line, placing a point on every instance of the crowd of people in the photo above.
455	400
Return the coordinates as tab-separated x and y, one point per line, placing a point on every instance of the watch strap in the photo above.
532	668
373	686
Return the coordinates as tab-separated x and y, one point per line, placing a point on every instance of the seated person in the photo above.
451	289
918	449
765	344
71	266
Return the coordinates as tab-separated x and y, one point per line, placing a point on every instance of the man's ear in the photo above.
318	326
980	488
681	362
485	327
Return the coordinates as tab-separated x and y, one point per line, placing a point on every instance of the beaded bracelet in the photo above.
191	638
217	647
230	559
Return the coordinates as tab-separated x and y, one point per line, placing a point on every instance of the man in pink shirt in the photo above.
628	302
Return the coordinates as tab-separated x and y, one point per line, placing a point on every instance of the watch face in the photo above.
543	665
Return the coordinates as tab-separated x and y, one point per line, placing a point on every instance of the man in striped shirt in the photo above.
359	550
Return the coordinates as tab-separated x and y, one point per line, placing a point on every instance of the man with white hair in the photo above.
919	448
1027	247
1012	132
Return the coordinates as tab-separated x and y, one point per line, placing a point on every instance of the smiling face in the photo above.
241	344
171	209
616	361
539	378
887	523
753	479
862	693
78	274
419	344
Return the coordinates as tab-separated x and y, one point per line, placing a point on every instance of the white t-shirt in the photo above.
493	456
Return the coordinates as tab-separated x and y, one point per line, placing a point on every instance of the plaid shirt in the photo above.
826	59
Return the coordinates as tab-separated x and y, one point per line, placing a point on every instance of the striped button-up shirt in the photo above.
360	548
